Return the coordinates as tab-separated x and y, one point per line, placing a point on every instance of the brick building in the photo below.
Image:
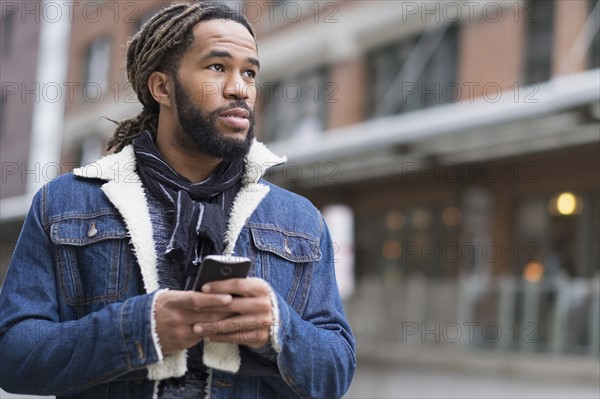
33	48
461	140
464	138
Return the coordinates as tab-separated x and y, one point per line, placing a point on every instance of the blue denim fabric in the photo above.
76	321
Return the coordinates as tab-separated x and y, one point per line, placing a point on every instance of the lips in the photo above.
237	113
237	119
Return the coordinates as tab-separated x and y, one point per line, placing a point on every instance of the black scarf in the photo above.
199	210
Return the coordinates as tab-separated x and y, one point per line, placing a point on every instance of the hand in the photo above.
253	317
176	312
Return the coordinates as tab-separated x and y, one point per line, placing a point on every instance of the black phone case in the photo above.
221	268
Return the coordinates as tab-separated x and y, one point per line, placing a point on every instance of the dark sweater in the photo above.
173	276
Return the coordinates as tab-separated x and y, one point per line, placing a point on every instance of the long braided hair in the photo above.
159	46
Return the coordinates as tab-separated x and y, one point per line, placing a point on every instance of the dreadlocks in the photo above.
159	46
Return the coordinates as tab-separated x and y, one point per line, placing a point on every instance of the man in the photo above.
94	305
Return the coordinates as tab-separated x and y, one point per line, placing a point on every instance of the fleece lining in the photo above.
125	190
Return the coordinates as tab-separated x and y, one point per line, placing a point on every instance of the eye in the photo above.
250	73
217	68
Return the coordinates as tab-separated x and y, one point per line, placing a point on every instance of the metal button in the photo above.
92	231
286	248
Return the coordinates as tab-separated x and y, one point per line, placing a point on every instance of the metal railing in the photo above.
506	314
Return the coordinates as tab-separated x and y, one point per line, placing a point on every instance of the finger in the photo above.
251	337
193	301
242	305
201	301
177	338
210	317
236	324
249	287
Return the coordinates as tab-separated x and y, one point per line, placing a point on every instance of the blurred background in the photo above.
453	147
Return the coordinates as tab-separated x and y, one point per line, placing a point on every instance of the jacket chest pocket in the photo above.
287	261
92	259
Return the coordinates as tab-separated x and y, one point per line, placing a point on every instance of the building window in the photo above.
538	48
559	231
296	106
97	66
8	21
403	241
595	46
417	72
3	101
555	258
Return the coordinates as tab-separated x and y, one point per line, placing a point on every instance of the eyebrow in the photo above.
226	54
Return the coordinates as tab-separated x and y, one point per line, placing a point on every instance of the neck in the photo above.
194	165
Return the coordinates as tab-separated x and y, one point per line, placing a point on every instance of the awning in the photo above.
560	113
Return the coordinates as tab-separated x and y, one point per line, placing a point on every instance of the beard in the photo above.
201	129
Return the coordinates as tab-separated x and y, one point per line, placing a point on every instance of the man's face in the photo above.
215	89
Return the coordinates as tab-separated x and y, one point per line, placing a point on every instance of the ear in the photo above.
160	86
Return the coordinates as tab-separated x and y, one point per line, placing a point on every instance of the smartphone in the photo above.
221	267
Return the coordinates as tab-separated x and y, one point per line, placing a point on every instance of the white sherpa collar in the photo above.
121	165
125	190
259	159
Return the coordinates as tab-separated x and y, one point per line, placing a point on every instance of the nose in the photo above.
235	88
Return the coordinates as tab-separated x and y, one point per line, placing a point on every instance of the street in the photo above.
376	380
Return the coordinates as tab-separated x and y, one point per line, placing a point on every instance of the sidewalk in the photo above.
378	380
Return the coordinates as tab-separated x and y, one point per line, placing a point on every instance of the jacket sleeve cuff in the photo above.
173	365
155	339
135	327
272	348
276	326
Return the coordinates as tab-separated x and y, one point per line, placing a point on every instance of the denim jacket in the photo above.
77	303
